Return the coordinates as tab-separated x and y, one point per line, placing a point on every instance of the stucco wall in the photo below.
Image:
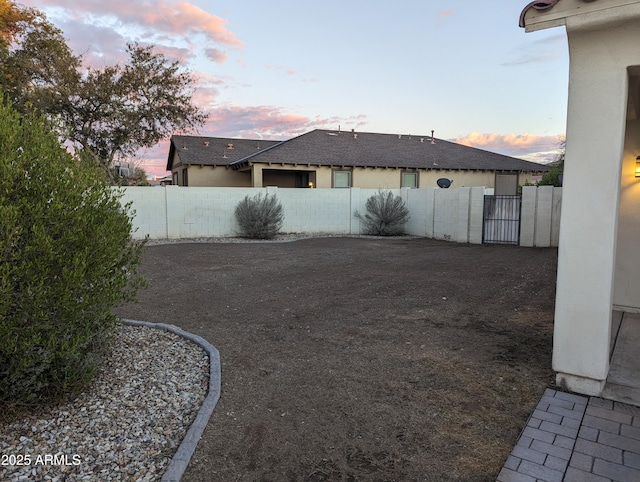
365	178
602	46
626	292
174	212
218	176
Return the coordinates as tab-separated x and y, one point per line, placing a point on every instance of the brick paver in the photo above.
572	437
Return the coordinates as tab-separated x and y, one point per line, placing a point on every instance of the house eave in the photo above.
539	15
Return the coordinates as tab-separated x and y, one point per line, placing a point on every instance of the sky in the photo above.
279	68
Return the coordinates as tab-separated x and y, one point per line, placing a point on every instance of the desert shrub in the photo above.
386	215
259	217
66	259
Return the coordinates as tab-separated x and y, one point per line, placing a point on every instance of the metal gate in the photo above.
501	220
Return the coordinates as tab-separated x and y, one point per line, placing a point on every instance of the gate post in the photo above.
528	216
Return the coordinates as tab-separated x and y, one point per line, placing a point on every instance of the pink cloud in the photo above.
99	46
255	121
445	13
270	122
281	69
154	160
530	146
165	16
174	54
205	96
215	55
180	18
158	22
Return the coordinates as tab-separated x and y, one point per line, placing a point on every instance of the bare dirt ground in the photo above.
349	359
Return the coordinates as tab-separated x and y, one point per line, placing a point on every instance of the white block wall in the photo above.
540	216
316	210
150	206
420	203
174	212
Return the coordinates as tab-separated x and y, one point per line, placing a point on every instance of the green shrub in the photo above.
386	215
552	177
259	217
66	259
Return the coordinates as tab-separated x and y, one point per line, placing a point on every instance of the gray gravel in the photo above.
127	426
280	238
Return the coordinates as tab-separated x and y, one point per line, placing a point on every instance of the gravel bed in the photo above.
126	426
280	238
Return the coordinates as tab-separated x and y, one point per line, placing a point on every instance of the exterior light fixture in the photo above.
638	166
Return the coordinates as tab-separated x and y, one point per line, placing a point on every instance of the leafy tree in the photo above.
553	176
108	113
66	259
139	177
12	20
38	68
118	110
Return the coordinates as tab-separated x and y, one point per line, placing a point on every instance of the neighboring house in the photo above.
341	159
163	181
206	161
129	174
597	321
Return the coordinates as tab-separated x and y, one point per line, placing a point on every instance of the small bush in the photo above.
66	259
259	217
386	215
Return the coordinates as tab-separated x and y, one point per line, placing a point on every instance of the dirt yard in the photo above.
354	359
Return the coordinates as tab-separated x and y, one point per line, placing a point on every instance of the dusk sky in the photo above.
276	69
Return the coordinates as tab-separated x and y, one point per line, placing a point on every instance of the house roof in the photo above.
363	149
213	151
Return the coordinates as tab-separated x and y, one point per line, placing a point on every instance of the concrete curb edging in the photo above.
179	462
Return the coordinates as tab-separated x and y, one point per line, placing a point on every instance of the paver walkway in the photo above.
575	438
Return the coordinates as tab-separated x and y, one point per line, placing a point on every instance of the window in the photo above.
185	177
409	179
341	178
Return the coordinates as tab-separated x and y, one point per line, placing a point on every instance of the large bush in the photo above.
66	259
259	217
386	215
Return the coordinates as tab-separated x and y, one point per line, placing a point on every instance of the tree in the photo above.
36	62
12	20
553	177
66	259
108	113
118	110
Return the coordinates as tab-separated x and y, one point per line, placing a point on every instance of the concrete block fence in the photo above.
175	212
540	216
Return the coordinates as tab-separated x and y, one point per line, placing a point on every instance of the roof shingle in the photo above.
364	149
213	151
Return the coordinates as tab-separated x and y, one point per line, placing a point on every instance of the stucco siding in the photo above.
262	175
595	243
216	176
626	288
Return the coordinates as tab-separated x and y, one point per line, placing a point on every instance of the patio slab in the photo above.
572	437
623	381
